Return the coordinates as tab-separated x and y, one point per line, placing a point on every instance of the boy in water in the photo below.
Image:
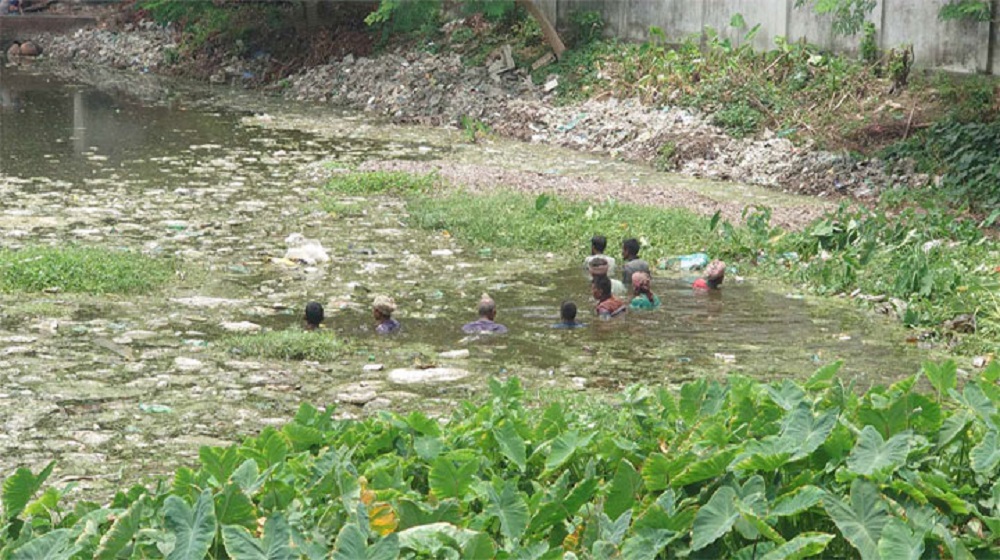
715	273
607	304
643	298
314	315
597	245
485	324
382	309
633	264
568	315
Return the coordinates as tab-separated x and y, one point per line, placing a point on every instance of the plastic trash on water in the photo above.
694	261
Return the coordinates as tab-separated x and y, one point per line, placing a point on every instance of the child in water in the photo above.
568	315
643	297
382	309
314	315
715	273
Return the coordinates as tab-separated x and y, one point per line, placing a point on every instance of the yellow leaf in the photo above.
382	518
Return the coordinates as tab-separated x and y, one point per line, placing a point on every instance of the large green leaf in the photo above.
658	470
479	546
193	529
121	532
55	545
510	508
625	487
860	520
233	507
351	544
943	377
899	542
276	545
797	501
788	396
986	455
452	474
20	487
952	427
511	444
804	433
564	446
803	545
646	544
874	455
714	466
219	462
430	539
715	518
976	400
824	376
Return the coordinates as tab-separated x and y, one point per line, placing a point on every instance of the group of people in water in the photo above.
611	297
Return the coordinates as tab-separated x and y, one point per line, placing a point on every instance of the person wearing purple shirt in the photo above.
487	314
382	309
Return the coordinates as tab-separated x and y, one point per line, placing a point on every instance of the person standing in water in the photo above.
485	324
568	315
715	273
598	266
597	245
633	264
643	297
607	304
314	315
382	310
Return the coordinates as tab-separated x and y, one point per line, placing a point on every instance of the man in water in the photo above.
630	254
607	304
382	309
485	323
314	315
599	267
597	245
715	273
643	297
568	315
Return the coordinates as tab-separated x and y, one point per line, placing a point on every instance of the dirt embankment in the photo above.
441	89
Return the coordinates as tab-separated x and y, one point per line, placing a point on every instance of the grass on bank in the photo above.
738	470
288	344
937	264
90	270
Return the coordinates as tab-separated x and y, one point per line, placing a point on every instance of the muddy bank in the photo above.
441	90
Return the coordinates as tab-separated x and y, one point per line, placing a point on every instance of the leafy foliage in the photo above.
286	345
848	15
969	10
659	474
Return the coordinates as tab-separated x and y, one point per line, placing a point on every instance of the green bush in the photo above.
376	182
738	119
736	470
286	345
91	270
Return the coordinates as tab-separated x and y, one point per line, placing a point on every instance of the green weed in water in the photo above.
291	344
375	182
91	270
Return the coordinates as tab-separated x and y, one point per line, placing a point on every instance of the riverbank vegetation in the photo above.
291	344
91	270
741	470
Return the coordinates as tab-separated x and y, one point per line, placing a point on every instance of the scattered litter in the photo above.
844	337
694	261
307	251
794	296
155	408
725	358
980	361
373	367
684	360
442	252
455	354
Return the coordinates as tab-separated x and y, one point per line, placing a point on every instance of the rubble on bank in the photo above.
441	90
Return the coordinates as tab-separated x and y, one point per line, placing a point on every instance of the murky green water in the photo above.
84	380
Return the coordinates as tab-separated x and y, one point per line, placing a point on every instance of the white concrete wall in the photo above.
953	46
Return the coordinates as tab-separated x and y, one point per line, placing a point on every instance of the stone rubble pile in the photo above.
441	90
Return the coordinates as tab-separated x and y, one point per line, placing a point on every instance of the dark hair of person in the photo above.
568	311
314	313
603	284
598	242
632	246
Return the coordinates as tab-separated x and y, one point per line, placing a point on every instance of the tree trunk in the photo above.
548	31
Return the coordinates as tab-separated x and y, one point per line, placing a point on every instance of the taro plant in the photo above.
737	470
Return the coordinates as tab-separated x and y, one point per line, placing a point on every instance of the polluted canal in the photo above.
119	388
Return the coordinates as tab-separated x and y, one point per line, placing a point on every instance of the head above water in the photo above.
597	244
598	267
568	312
383	307
487	307
601	287
314	314
715	272
630	248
